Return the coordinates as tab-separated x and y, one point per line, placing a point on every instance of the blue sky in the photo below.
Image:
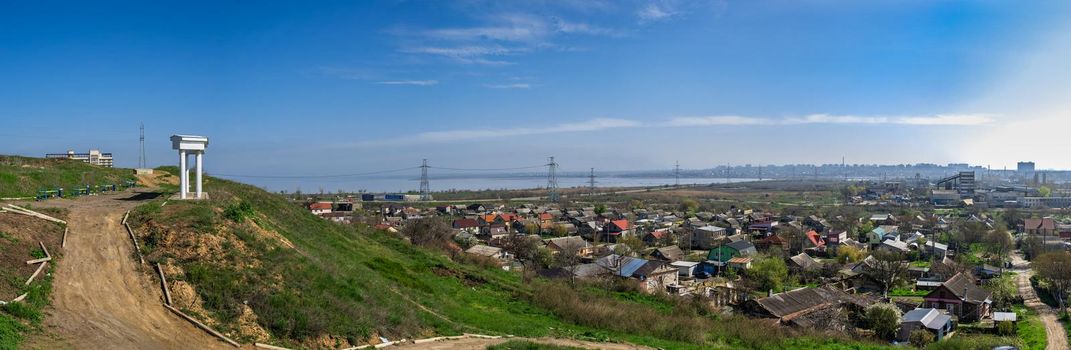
351	86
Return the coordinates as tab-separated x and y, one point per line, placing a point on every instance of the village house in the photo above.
320	208
929	319
614	230
706	237
1039	226
810	307
570	243
960	297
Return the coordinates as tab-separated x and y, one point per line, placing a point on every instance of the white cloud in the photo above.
655	12
599	124
939	119
409	82
473	54
717	120
509	86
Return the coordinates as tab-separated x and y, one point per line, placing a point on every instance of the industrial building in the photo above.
95	157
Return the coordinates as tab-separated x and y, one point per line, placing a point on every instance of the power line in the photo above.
141	158
424	188
591	182
489	169
317	176
552	181
677	173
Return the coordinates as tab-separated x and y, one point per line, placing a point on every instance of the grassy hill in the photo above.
20	237
24	176
263	269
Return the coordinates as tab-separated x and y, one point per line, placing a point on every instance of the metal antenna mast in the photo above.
552	181
677	172
424	189
591	182
141	159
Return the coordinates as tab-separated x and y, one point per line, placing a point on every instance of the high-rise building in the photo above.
1025	168
95	157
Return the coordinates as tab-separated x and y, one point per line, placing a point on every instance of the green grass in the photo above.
353	283
905	292
527	345
17	318
1030	329
24	176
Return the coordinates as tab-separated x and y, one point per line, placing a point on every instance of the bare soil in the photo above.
21	235
102	298
1055	334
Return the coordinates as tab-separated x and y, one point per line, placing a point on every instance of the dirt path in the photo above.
481	344
1057	338
101	299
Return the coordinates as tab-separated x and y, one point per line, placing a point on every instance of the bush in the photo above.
1005	328
883	319
920	338
238	211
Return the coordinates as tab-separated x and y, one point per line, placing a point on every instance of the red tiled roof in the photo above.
545	216
622	224
315	206
816	239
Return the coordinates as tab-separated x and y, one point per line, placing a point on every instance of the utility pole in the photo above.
591	182
760	173
552	181
141	138
677	173
844	168
425	190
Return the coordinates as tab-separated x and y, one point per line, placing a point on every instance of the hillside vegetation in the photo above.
261	268
20	239
24	176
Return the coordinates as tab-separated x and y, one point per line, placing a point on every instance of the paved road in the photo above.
101	298
1055	331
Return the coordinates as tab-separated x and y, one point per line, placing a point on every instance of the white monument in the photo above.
186	145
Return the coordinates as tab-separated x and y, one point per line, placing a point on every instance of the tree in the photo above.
999	243
600	209
690	206
770	273
568	259
887	268
883	319
849	254
794	237
525	250
1055	268
1045	191
920	338
865	228
1005	292
429	232
635	244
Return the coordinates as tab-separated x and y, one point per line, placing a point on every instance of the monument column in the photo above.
183	181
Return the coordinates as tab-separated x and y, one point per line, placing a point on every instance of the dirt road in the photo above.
1057	338
101	299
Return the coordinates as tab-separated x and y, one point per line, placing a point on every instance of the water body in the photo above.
379	185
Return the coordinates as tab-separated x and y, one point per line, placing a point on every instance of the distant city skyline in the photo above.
334	88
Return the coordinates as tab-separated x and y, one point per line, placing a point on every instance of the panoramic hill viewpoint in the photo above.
533	174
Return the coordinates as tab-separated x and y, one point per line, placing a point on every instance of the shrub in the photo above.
238	211
920	338
1005	328
883	319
